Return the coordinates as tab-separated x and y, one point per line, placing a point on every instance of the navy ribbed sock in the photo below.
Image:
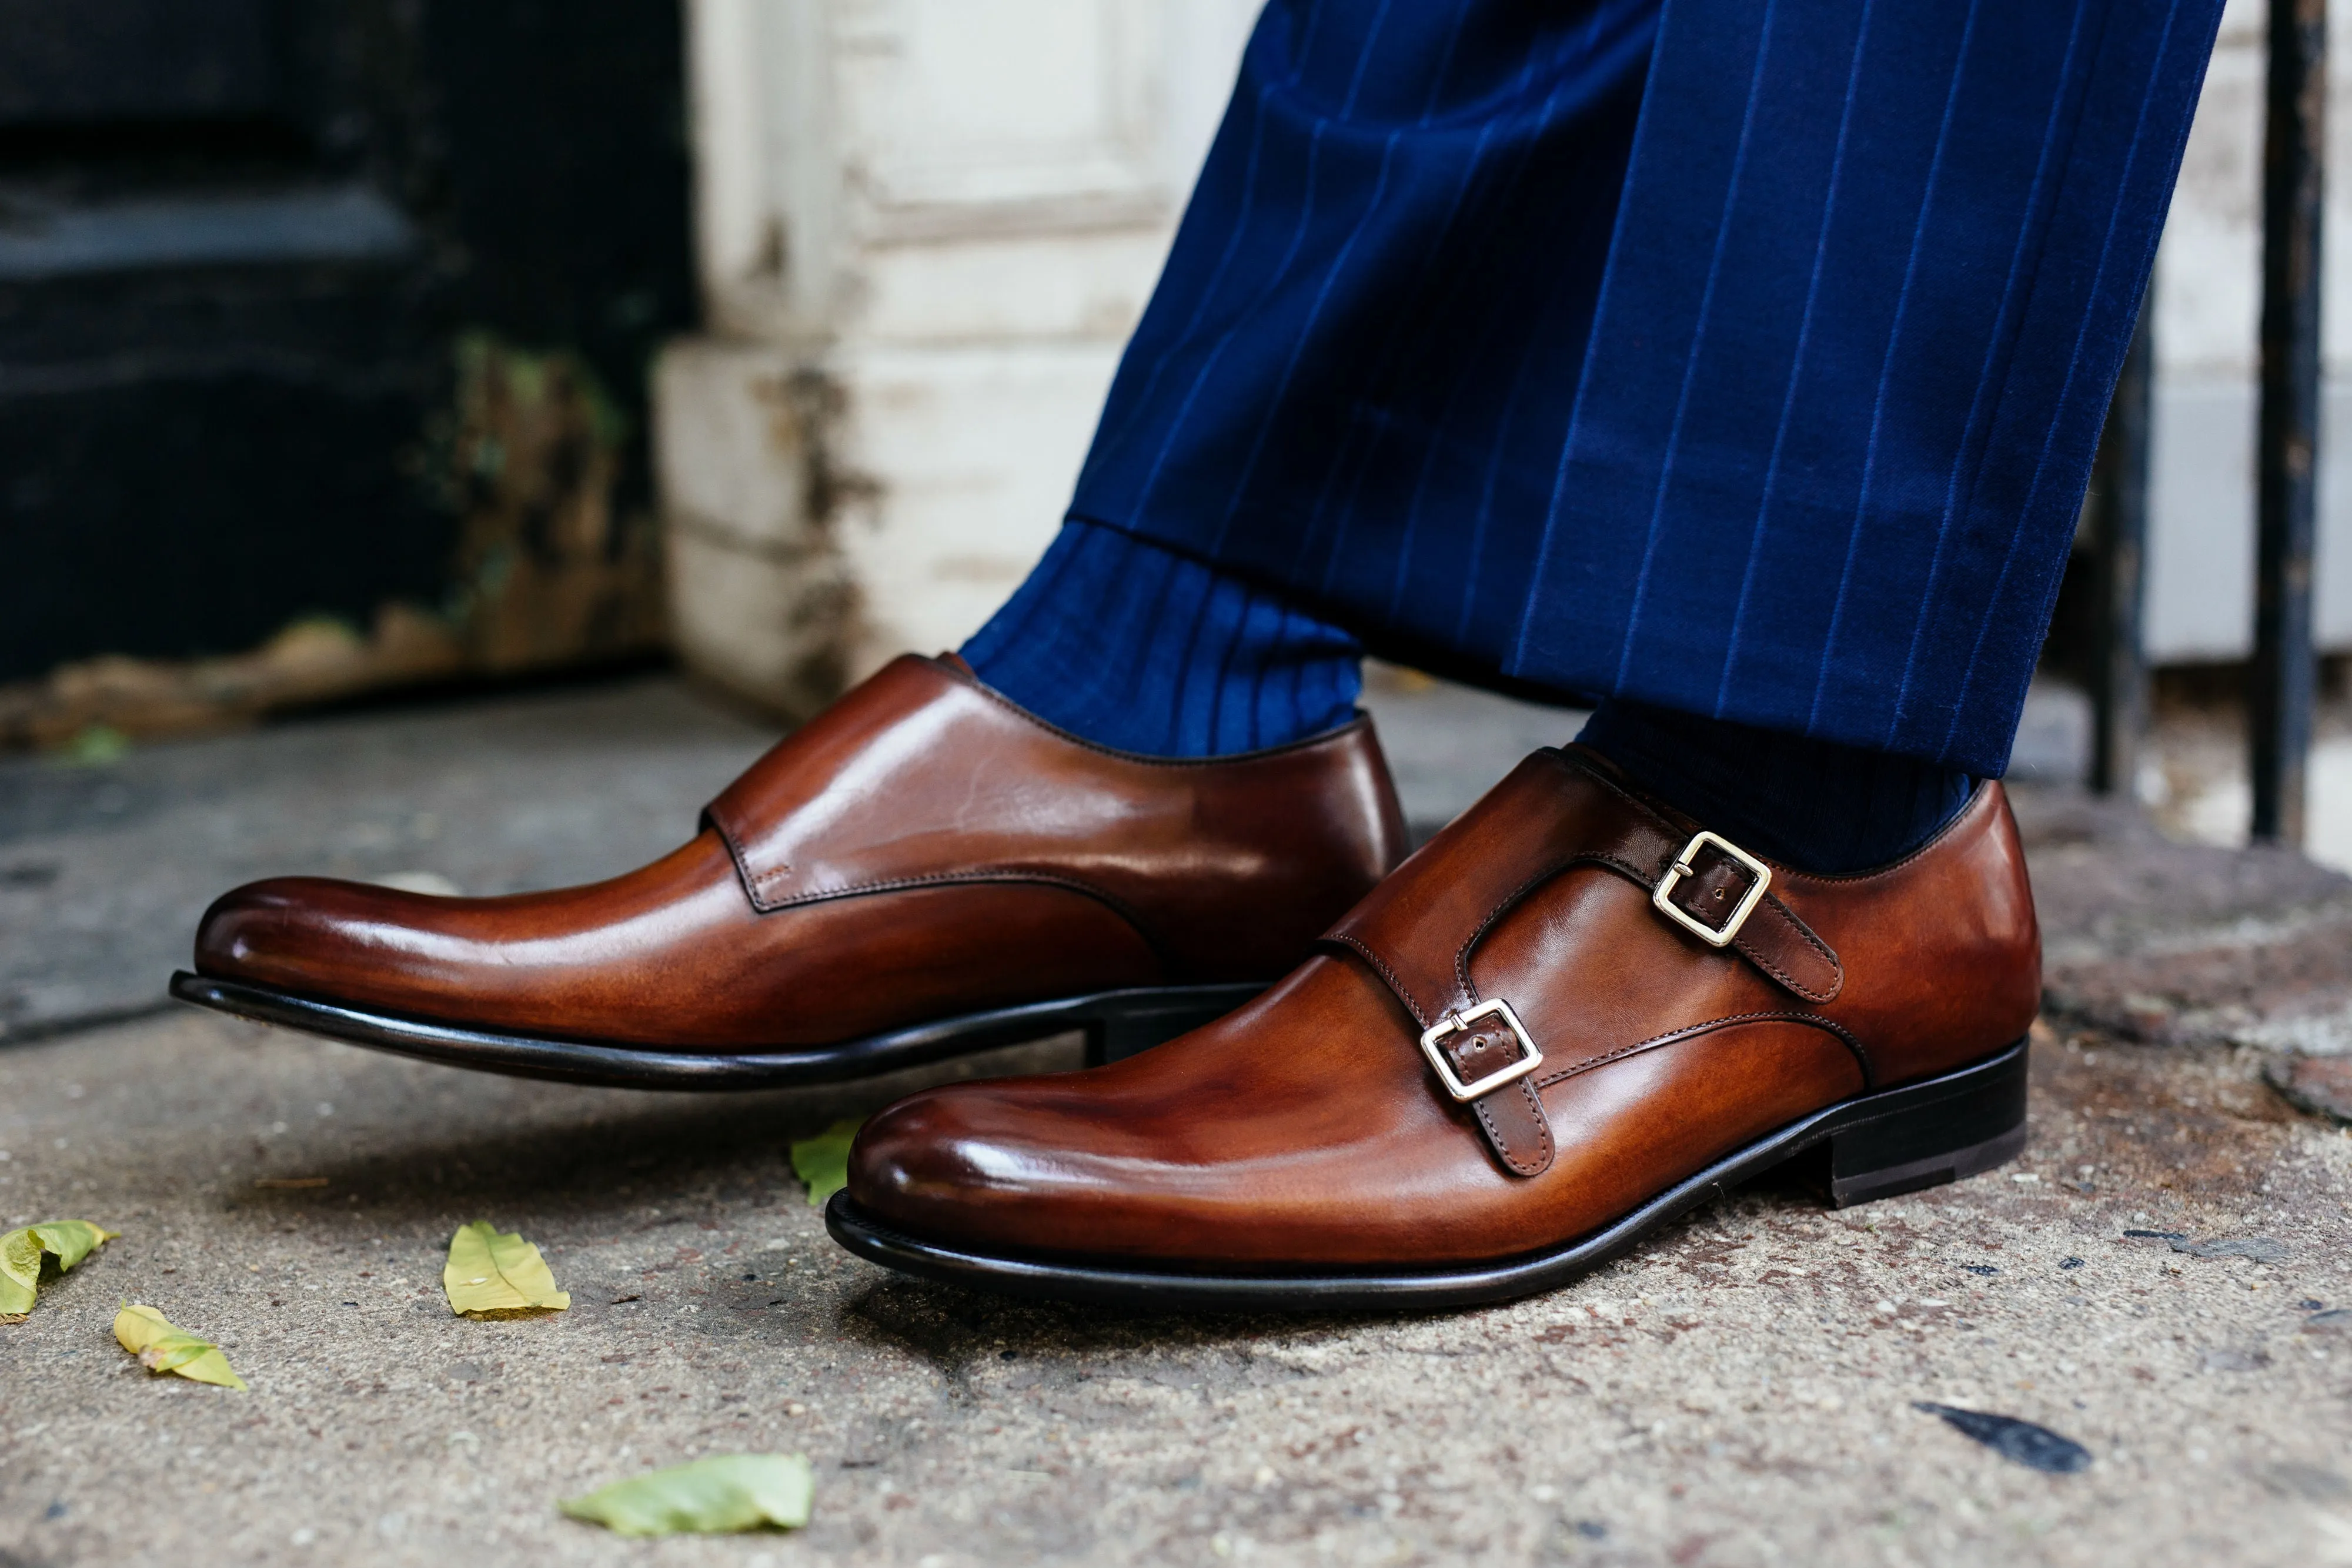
1810	804
1131	646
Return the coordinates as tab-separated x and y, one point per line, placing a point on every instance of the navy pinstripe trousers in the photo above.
1744	357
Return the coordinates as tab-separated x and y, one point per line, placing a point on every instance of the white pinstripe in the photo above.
2074	367
1886	369
2004	326
1330	274
1429	455
1241	226
1690	365
1796	373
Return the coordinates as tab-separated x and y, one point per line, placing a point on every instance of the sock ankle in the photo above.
1132	647
1810	804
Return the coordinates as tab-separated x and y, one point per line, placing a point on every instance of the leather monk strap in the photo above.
1419	932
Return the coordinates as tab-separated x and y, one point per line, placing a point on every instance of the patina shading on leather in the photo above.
922	850
1419	932
1307	1131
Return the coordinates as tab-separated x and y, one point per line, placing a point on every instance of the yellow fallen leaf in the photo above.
493	1276
823	1162
23	1254
723	1493
149	1335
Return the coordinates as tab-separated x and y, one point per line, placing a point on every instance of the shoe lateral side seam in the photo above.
977	876
1379	965
1844	1036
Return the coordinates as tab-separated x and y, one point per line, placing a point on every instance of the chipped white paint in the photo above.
925	229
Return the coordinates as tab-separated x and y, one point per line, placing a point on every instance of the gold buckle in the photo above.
1712	935
1455	1023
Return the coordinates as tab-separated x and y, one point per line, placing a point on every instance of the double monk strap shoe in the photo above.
923	870
1572	1016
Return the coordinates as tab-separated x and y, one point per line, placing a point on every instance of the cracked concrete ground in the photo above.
1741	1390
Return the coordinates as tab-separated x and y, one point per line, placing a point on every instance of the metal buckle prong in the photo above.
1455	1023
1712	935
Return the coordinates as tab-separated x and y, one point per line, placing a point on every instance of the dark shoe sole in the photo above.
1878	1145
1117	1024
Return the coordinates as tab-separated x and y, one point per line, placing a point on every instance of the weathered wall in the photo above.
926	228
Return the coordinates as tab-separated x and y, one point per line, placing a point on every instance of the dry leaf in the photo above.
725	1493
494	1276
823	1162
23	1254
149	1335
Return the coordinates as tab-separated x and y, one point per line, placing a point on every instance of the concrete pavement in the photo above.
1738	1392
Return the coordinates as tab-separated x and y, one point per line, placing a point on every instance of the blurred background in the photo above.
323	336
370	351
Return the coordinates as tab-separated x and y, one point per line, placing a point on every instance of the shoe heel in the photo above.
1929	1133
1129	1025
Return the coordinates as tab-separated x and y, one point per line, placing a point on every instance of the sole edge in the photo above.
1110	1019
1106	1282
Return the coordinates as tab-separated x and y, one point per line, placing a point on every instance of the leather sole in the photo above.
1875	1145
1117	1024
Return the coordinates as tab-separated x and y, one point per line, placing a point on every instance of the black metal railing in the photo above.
2283	677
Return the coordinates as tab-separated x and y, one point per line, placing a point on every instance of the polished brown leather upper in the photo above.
920	849
1307	1127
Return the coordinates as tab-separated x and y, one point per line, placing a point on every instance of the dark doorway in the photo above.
240	243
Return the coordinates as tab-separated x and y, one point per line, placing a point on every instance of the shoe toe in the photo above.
287	929
917	1153
971	1160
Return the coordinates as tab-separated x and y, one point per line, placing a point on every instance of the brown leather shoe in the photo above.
1568	1018
921	871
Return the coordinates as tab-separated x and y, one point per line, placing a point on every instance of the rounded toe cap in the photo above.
912	1156
972	1162
291	931
245	925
